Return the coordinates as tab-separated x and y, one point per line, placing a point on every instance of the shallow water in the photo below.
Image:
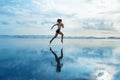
84	59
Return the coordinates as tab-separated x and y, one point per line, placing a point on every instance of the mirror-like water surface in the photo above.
34	59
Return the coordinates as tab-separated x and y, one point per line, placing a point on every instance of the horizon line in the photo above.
66	37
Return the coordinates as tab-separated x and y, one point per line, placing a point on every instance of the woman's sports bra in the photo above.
59	27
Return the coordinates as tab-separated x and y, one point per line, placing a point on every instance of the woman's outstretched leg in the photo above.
53	38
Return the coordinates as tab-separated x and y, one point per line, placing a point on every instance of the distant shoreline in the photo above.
50	36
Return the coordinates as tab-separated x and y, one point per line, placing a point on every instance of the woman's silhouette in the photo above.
59	65
59	24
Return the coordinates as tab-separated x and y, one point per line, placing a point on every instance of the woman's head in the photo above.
59	20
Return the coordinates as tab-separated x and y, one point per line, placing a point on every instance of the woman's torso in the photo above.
59	25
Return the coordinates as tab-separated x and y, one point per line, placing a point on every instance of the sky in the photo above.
80	17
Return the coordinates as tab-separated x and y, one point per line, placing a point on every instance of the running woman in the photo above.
59	24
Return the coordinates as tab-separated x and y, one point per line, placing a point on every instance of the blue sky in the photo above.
80	17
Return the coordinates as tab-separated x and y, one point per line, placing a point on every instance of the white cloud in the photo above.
116	26
43	14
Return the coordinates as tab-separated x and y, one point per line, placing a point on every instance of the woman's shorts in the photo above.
57	31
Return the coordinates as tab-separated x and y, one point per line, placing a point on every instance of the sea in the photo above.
75	59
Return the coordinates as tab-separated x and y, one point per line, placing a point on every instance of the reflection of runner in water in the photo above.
59	24
59	65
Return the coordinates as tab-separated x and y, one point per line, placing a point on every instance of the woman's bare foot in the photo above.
50	41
